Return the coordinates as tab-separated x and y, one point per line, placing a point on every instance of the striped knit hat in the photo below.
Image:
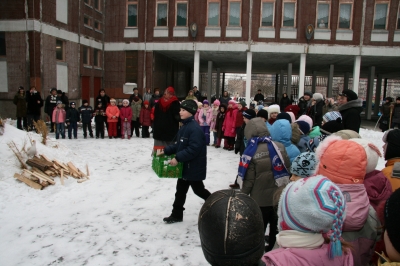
329	116
314	205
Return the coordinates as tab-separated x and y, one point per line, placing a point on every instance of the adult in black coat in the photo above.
155	98
50	104
259	97
135	94
190	149
34	103
105	101
166	119
62	97
197	94
316	109
304	103
285	101
225	98
350	107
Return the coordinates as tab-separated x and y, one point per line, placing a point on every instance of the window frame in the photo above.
295	13
98	7
87	55
346	2
219	13
99	25
62	50
96	58
240	13
88	3
176	13
377	2
89	20
5	46
128	3
397	19
157	4
329	15
273	13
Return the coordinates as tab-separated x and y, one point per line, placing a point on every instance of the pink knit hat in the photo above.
216	103
292	116
307	119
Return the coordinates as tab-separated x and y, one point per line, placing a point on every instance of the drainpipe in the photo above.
250	25
145	51
27	68
362	26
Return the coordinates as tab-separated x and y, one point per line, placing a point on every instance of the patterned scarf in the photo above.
279	171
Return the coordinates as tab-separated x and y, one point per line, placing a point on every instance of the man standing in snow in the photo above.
190	149
350	107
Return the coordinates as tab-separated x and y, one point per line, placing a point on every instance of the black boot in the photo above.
171	219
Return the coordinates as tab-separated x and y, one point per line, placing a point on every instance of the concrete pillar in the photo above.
356	73
196	69
314	82
370	91
330	81
302	75
248	76
281	83
218	81
346	81
289	79
209	81
378	91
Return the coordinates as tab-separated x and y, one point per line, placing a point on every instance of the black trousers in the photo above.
135	125
87	126
270	217
23	120
30	119
182	187
100	129
145	132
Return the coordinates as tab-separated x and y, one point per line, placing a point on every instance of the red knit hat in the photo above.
170	90
146	102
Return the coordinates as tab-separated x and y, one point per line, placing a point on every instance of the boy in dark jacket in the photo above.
72	120
190	149
99	119
86	112
34	103
51	103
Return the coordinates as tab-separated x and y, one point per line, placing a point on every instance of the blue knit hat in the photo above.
303	126
330	116
314	205
304	165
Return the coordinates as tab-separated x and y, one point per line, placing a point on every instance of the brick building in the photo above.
80	46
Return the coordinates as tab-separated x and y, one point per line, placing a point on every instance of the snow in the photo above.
115	218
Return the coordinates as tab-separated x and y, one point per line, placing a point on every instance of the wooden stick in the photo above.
17	153
82	174
62	177
46	158
87	170
60	164
82	180
42	178
71	165
28	181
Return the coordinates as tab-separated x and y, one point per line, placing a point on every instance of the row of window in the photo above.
86	54
94	3
267	14
88	22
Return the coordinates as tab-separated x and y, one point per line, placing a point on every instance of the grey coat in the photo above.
259	181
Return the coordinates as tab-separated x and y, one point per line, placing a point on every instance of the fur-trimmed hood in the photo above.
351	104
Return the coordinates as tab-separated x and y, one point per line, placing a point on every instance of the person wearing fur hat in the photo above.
347	134
281	131
304	103
205	116
304	165
190	149
166	119
136	106
308	210
99	119
350	107
73	117
273	111
229	126
263	169
284	102
391	152
59	117
145	119
125	116
396	114
214	110
392	233
344	162
316	109
112	113
386	110
86	112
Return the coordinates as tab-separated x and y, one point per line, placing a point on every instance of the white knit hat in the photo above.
273	109
125	101
318	96
372	152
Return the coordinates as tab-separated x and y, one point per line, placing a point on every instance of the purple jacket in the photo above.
306	257
361	225
378	188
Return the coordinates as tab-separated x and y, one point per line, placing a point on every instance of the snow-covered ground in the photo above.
115	218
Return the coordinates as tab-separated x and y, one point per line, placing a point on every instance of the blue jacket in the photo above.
190	149
72	115
281	131
86	114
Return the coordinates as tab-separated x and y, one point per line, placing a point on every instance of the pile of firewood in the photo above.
43	172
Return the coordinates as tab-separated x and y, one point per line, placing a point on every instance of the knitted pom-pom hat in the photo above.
372	152
342	161
333	115
304	164
313	205
216	103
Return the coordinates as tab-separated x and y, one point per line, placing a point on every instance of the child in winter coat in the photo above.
215	108
99	119
344	162
304	165
73	118
219	126
112	113
273	111
86	112
125	115
281	131
229	126
145	119
136	106
59	117
239	116
308	210
391	149
119	127
205	116
196	116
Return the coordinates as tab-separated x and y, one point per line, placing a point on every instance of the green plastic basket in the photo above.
161	167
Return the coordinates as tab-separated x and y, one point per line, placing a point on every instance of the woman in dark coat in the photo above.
219	124
20	102
285	101
34	104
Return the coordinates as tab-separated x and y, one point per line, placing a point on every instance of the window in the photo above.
85	55
96	4
345	16
288	17
213	14
87	2
267	15
181	14
97	25
162	14
398	20
234	14
323	16
87	21
380	18
2	43
96	58
131	20
59	50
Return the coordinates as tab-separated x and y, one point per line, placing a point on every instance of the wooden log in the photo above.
27	181
42	161
82	174
82	180
60	164
46	158
72	166
42	178
87	170
36	164
62	177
